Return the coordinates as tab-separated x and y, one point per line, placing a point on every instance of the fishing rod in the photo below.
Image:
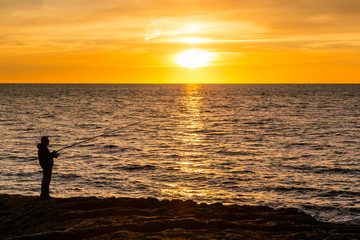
101	135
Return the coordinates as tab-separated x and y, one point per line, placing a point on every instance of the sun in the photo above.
194	58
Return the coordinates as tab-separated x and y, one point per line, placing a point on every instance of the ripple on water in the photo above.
250	144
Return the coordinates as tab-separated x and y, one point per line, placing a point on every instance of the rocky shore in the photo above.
27	217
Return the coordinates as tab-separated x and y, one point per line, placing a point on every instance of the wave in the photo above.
242	172
293	188
342	193
20	174
235	153
346	215
337	170
67	176
136	167
111	146
324	170
314	191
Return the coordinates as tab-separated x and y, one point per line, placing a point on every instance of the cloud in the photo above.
153	30
67	25
278	16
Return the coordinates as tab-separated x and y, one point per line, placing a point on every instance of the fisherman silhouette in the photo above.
46	160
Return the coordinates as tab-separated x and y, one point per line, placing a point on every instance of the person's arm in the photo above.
54	154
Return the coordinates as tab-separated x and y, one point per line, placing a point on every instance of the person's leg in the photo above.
45	183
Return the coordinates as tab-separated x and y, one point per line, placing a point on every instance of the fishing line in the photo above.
91	138
101	135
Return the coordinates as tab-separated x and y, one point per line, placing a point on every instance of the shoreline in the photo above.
28	217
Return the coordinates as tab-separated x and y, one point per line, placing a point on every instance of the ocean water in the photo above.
275	145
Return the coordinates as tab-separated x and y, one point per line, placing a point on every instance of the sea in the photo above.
266	145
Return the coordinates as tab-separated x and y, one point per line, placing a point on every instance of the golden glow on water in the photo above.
189	129
177	190
194	121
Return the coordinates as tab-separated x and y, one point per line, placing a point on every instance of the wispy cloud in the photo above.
231	20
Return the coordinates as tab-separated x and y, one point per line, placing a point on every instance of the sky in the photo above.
118	41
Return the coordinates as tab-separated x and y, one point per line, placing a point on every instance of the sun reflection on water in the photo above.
192	141
193	122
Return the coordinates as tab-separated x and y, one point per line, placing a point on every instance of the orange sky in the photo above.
116	41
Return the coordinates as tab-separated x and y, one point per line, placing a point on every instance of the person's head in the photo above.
45	140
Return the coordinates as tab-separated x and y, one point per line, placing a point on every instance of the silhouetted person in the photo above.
46	160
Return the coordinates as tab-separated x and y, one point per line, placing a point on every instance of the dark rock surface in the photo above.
24	217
